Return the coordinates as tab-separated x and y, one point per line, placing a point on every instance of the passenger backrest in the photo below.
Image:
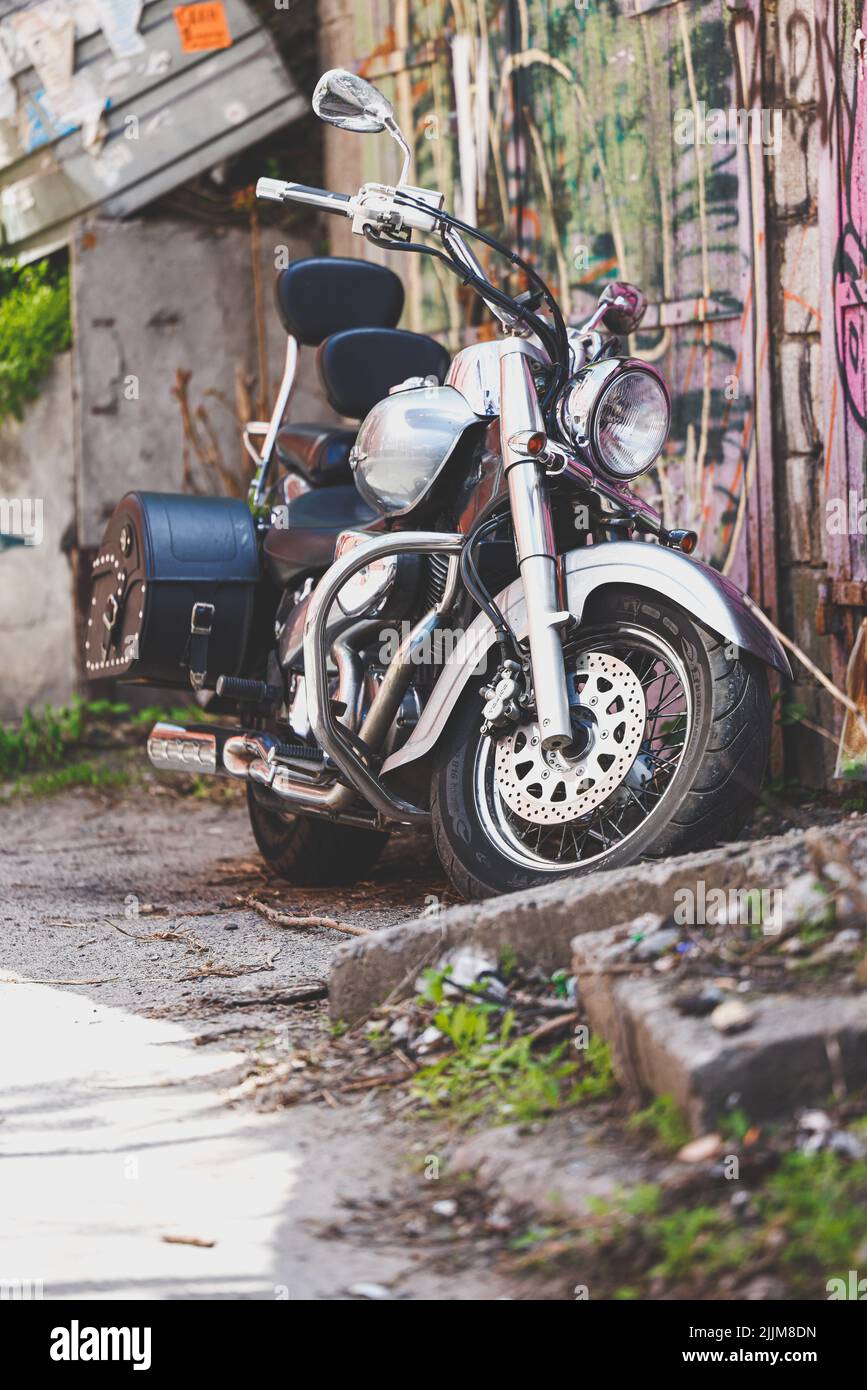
322	295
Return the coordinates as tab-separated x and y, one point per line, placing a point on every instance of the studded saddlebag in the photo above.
173	591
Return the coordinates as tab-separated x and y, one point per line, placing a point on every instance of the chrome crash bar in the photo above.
256	756
329	734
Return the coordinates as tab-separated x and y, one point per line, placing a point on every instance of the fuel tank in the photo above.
405	443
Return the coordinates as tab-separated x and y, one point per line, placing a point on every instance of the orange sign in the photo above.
203	26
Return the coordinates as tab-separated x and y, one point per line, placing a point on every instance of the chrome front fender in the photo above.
708	596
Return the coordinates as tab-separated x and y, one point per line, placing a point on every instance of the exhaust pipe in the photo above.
172	748
250	757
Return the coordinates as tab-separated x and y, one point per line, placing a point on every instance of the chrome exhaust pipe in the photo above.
172	748
247	756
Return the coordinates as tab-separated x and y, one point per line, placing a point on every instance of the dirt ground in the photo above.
142	996
136	987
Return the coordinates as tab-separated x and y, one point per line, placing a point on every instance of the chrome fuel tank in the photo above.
404	444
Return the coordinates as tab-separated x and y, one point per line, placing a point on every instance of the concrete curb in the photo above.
539	924
798	1050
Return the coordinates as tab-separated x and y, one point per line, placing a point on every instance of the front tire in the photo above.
312	852
692	783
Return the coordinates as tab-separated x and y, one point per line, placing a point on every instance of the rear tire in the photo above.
311	852
706	801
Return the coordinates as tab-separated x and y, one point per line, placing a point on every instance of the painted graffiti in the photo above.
586	176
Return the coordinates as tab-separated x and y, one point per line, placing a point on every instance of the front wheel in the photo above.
671	730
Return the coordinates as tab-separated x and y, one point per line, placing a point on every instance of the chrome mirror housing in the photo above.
344	99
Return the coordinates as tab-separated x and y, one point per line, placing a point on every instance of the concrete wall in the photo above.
149	298
152	298
37	621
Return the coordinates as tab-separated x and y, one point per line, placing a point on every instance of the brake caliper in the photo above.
505	698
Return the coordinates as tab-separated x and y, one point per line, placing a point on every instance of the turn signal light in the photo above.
683	540
531	443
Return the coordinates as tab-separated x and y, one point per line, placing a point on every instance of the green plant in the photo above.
494	1073
702	1236
46	739
735	1125
62	779
41	740
807	1221
819	1201
178	714
34	327
664	1119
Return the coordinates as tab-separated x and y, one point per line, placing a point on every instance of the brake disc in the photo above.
547	788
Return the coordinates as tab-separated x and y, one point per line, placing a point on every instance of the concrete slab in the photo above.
797	1051
539	924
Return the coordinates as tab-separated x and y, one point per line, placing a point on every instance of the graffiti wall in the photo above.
843	224
612	139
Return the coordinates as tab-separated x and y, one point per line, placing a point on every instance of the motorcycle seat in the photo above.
359	366
313	522
319	452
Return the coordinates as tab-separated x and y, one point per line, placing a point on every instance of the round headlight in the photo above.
630	423
618	410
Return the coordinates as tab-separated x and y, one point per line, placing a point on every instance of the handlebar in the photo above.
279	191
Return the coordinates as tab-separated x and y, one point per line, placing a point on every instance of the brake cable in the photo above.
561	356
526	316
506	638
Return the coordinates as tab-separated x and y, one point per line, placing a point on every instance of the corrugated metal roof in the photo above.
131	121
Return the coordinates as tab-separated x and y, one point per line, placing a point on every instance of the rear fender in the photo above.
706	595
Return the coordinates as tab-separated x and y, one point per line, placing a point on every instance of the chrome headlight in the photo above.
619	412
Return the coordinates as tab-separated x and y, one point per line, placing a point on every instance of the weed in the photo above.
664	1119
807	1221
491	1072
735	1125
83	774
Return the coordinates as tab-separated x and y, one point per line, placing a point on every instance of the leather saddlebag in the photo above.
172	591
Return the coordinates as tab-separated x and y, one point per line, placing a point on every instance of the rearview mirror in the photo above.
627	307
344	99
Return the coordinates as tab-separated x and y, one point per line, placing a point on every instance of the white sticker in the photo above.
119	20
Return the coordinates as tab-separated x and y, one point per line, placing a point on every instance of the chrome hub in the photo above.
547	788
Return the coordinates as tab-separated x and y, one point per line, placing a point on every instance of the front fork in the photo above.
534	539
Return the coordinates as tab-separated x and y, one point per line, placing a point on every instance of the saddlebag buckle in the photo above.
201	626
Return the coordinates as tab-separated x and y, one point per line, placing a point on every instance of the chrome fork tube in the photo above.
534	540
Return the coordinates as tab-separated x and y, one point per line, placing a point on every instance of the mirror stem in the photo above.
397	134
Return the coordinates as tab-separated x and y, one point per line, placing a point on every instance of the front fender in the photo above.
705	594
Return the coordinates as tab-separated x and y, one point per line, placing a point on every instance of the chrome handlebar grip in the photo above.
279	191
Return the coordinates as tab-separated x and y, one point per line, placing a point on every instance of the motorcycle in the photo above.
459	616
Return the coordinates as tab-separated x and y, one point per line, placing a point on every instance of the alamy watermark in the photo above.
846	516
704	125
719	907
21	517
